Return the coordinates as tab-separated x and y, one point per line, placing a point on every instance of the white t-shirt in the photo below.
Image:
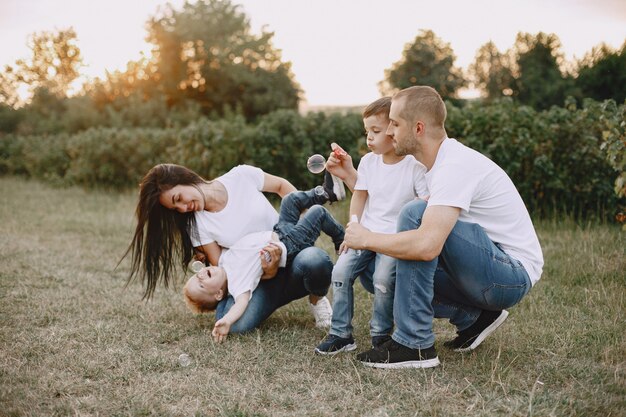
389	187
464	178
242	262
247	209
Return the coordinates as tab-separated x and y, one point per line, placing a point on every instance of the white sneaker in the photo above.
322	311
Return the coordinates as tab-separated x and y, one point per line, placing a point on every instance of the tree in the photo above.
205	52
426	61
539	81
602	74
491	72
9	86
54	64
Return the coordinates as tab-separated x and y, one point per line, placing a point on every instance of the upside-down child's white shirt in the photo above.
242	261
389	188
462	177
247	210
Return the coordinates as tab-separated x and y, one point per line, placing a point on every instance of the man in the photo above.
467	254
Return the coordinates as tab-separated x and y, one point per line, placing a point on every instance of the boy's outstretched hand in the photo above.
220	330
340	164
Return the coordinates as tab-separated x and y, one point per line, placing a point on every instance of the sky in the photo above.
339	49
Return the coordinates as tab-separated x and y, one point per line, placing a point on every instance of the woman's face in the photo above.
182	198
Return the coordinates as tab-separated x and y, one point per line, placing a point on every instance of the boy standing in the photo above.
385	183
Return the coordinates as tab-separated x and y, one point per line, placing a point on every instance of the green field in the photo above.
75	341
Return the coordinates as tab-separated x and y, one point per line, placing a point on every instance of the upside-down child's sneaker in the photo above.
334	188
332	345
392	354
470	338
323	312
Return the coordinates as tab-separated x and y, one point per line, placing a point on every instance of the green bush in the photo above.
562	160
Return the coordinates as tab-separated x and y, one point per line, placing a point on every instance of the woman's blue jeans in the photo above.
470	275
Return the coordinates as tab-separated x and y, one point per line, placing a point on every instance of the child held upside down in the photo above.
239	270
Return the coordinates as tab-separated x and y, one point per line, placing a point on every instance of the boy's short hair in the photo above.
197	307
380	106
422	101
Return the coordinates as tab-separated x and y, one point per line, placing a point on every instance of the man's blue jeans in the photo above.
470	275
309	273
377	274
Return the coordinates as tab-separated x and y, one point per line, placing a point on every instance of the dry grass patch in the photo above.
75	342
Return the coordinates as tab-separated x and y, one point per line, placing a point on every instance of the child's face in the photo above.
208	285
377	139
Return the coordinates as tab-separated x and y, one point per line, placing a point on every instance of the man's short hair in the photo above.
422	102
380	106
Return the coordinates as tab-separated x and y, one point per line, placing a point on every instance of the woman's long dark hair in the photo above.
161	234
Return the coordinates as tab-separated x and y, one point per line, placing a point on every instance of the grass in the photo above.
74	341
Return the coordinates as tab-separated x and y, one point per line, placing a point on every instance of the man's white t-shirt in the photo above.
242	261
247	210
462	177
389	187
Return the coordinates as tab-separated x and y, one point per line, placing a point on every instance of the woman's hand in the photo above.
221	330
270	266
340	164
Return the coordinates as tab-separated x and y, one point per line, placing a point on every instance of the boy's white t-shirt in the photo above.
242	261
247	210
389	187
462	177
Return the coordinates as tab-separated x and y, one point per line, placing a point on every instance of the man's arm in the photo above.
222	326
423	244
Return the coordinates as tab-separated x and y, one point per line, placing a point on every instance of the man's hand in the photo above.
356	236
220	330
270	267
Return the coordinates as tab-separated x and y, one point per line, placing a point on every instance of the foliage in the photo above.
602	74
205	52
491	72
54	63
426	61
564	159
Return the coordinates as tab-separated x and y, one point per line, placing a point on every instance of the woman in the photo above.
179	212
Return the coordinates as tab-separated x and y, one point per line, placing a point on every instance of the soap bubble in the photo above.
316	163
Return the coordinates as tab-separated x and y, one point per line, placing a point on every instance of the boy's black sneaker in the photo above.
334	188
333	345
470	338
379	340
393	355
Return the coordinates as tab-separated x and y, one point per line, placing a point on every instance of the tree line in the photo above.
205	61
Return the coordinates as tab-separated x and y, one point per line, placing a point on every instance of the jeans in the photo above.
471	274
381	282
308	273
299	232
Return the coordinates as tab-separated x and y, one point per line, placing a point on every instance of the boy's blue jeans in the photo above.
377	273
308	269
470	275
298	231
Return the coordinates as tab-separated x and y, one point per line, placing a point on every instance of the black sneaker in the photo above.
333	344
334	188
470	338
379	340
392	354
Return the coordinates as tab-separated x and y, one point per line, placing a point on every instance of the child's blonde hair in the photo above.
197	307
380	106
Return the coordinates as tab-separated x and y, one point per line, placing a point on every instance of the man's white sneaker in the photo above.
322	311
